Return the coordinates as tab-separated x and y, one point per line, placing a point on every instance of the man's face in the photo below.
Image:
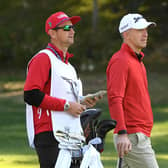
137	38
63	37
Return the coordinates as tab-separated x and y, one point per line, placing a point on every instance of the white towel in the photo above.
91	158
64	159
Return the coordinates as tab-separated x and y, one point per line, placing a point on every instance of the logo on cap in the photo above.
50	24
136	19
124	27
61	16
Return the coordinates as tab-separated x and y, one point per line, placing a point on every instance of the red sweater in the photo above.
128	96
38	77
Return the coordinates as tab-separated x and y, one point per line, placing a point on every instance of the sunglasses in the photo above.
65	28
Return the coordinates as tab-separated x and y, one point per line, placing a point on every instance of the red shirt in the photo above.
38	77
128	97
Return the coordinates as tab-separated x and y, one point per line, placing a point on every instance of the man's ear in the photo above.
52	33
125	34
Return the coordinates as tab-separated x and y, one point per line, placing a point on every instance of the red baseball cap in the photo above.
58	18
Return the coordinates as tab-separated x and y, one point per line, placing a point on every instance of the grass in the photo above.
14	149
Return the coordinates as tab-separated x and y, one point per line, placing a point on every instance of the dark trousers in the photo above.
47	150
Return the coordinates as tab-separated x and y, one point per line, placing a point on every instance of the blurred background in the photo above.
22	34
22	30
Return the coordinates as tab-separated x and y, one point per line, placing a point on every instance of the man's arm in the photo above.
117	74
38	75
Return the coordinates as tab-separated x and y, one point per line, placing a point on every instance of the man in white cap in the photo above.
128	96
52	93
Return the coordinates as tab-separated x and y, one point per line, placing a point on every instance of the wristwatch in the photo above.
66	106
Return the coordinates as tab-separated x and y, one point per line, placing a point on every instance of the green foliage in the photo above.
22	28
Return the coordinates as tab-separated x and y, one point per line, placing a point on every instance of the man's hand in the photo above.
90	102
123	145
76	109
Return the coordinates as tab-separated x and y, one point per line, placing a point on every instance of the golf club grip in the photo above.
120	162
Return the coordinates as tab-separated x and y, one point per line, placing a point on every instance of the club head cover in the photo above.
105	126
89	121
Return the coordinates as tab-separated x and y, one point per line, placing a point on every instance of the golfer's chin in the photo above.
71	41
143	45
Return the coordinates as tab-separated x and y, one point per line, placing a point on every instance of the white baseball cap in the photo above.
134	21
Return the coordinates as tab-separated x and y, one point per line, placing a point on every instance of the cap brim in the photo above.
143	24
75	19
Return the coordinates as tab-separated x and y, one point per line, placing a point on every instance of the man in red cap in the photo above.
128	96
52	93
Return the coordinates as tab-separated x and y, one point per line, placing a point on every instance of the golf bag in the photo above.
94	129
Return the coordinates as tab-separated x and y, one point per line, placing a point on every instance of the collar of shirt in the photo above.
139	56
54	49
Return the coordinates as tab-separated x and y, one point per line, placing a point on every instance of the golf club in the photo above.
120	162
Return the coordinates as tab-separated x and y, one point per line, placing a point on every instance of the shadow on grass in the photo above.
27	162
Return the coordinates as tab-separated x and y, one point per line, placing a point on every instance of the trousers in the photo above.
141	155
